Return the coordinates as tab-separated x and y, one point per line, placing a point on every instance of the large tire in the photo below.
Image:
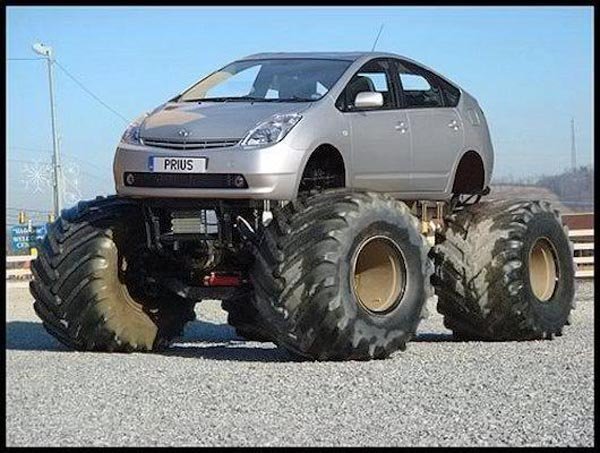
488	278
304	268
244	318
84	282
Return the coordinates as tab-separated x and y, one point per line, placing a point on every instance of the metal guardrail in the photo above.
19	272
19	258
583	252
583	256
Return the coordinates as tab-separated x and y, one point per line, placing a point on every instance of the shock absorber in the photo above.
267	215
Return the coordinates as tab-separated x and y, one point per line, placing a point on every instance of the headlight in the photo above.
132	134
272	131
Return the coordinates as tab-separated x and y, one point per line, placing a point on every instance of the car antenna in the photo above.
377	39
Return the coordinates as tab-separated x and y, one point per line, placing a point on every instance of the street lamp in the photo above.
46	51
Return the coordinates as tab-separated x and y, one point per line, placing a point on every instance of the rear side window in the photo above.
451	94
422	89
418	91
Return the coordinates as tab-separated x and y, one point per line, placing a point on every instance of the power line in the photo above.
81	160
27	161
84	172
36	150
82	86
94	165
103	179
11	208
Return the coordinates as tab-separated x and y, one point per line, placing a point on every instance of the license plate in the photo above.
177	164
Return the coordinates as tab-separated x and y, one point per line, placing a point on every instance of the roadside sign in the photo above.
26	236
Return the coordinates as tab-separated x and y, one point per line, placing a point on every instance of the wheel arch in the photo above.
329	152
469	173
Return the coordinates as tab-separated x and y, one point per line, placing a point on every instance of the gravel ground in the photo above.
215	389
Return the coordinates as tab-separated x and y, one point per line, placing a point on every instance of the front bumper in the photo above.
271	172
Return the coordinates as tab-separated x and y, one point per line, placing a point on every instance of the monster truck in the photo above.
289	186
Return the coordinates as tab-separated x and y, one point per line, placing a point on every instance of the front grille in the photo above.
186	180
191	144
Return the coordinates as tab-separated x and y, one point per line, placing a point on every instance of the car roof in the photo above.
350	56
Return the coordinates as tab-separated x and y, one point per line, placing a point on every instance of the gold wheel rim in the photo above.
543	269
378	274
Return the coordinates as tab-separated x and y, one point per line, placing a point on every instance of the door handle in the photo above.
453	125
401	126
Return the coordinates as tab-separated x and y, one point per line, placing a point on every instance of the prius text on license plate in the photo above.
177	164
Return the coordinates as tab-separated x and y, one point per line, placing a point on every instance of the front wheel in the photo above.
342	275
87	285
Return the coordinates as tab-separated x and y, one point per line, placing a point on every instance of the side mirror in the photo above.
367	99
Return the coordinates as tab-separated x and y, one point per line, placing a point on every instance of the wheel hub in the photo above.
543	269
379	274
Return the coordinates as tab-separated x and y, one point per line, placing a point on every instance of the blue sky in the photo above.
531	68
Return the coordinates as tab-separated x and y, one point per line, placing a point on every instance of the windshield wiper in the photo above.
250	99
232	98
295	99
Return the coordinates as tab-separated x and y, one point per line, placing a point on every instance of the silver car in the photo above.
272	125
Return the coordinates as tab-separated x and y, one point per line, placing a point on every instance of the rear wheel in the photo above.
243	316
342	275
88	285
504	271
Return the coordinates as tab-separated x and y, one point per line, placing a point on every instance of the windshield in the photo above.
289	80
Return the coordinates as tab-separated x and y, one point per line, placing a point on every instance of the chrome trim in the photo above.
191	144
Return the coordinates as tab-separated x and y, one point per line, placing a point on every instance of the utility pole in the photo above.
46	51
573	150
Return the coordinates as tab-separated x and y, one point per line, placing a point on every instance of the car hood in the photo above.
211	120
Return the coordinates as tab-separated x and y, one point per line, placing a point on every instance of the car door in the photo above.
380	135
435	125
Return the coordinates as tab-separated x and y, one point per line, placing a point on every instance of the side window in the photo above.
372	76
419	90
451	94
414	82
